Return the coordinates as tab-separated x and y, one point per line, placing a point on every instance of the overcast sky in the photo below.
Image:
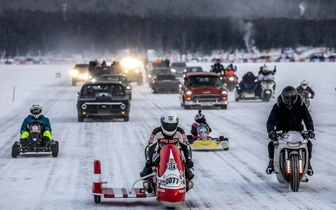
214	8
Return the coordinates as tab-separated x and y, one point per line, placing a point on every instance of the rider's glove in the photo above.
312	96
189	163
311	134
271	135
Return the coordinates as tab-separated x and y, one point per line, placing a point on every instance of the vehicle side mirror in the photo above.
78	93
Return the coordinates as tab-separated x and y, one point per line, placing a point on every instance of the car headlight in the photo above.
173	70
84	76
130	63
128	87
74	73
84	106
122	106
224	92
93	80
126	70
149	76
189	92
136	70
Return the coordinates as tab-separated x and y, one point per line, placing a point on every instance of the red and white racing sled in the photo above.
167	183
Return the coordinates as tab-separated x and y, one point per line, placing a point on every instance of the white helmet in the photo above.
36	111
265	69
169	122
304	84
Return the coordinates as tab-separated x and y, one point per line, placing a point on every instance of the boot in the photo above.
45	141
270	167
310	171
188	173
23	142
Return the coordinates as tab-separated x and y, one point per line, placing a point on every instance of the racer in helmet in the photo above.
218	67
199	119
266	74
287	114
170	130
36	116
230	70
305	88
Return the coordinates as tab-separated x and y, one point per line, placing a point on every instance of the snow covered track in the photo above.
233	179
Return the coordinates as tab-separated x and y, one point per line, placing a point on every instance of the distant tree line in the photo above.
24	31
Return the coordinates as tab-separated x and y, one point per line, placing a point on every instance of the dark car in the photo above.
190	69
80	73
178	68
121	79
97	71
103	100
166	83
155	72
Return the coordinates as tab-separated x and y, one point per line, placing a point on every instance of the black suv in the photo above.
103	100
80	73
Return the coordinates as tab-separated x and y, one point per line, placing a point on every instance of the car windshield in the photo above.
194	69
178	65
165	77
158	71
203	80
99	89
82	67
114	79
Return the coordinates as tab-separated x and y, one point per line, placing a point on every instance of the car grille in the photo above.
206	98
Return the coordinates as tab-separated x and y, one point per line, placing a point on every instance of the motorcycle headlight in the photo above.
224	92
137	71
231	79
189	93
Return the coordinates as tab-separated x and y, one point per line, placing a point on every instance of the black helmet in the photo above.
200	117
36	111
289	96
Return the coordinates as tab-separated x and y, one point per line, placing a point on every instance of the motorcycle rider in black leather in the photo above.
287	114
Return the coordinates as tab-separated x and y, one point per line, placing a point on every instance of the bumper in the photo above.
206	103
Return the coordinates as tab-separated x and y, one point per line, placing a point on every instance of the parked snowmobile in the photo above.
291	158
203	141
35	143
167	183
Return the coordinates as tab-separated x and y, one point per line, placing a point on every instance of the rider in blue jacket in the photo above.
36	116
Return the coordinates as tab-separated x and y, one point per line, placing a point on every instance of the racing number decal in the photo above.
172	180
